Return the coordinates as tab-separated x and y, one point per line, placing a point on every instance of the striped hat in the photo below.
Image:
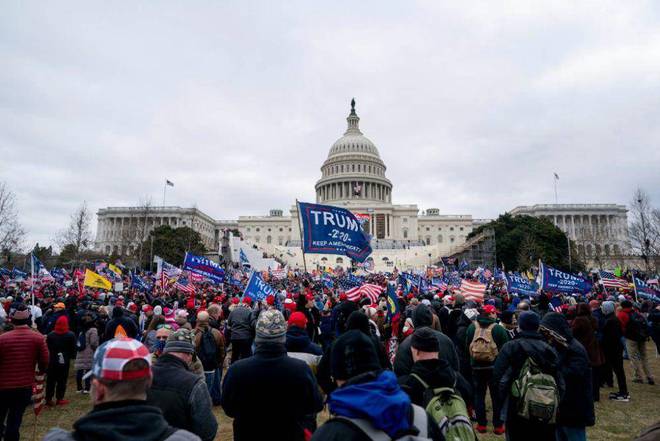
111	357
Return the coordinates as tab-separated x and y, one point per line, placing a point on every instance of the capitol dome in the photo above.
353	171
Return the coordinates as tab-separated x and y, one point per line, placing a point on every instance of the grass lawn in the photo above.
614	420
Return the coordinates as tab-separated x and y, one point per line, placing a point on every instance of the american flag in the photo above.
473	290
278	274
370	290
38	399
609	280
184	285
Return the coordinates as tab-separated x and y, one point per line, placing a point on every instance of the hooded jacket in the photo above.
403	361
118	318
297	340
576	407
585	329
239	323
377	398
61	341
131	420
499	334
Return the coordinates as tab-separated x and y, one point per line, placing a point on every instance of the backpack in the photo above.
483	348
448	411
120	332
81	343
208	351
420	422
637	328
537	392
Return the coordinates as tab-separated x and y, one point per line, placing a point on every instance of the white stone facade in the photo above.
598	230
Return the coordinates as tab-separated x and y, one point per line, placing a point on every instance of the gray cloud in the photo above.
472	107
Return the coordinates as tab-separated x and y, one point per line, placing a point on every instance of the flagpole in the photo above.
164	190
556	199
635	287
302	245
32	275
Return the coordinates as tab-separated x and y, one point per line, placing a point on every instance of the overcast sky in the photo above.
473	107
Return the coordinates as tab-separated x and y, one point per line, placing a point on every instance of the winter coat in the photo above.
585	329
297	340
64	344
435	373
85	357
118	319
612	333
499	334
139	422
20	350
654	323
403	361
283	386
182	396
576	408
240	323
511	358
340	315
219	342
377	398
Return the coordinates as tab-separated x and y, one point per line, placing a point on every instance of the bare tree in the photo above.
644	226
11	232
77	235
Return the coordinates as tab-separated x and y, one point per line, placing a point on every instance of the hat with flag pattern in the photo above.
112	356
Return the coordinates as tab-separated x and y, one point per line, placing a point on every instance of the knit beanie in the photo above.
158	310
358	320
271	327
353	353
557	323
607	307
182	340
529	321
423	339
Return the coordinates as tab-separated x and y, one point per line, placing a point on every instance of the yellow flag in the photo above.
96	281
114	269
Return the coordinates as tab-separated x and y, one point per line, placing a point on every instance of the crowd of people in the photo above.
408	364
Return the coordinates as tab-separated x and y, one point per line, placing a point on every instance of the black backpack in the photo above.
208	351
637	328
81	343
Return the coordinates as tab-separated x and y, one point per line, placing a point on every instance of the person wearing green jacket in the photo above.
483	340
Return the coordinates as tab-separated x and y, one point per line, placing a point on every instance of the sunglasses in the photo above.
161	338
169	327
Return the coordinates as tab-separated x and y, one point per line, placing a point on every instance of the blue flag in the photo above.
204	267
243	257
516	284
333	230
4	272
38	268
257	288
392	301
644	291
139	283
463	265
17	274
553	280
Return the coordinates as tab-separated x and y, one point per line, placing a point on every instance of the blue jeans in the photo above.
571	433
213	382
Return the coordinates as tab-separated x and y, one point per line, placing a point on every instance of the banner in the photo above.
205	267
333	230
643	290
553	280
516	284
96	281
257	288
243	257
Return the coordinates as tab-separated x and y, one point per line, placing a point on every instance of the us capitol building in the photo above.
354	176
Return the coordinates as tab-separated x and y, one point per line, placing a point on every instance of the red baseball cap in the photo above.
298	319
235	300
343	296
309	296
270	300
247	300
489	309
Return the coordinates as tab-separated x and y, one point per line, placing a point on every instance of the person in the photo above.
149	335
429	371
20	350
483	341
585	330
62	349
181	319
341	312
654	322
508	320
509	363
423	317
281	389
635	330
121	375
86	344
613	351
576	408
239	323
120	326
49	320
298	343
368	402
162	333
178	392
210	349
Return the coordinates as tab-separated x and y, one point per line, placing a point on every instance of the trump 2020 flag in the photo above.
204	267
333	230
243	257
257	288
553	280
